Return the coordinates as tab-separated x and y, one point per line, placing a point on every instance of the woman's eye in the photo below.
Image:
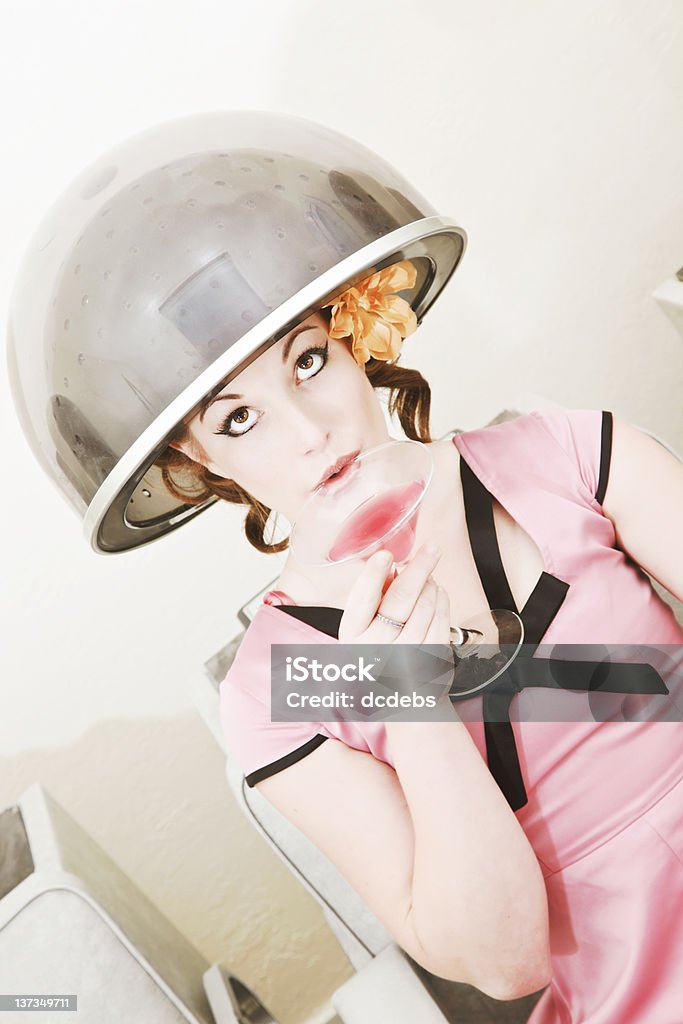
238	419
239	422
312	361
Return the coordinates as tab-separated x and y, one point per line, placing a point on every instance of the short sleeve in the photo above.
260	746
585	435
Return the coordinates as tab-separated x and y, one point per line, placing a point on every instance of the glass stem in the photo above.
460	636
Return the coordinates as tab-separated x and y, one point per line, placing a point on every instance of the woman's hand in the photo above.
412	597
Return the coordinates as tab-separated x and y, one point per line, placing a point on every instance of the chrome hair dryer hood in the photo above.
169	265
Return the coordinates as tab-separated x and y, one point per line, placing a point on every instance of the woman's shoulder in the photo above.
277	597
251	666
569	428
322	586
548	442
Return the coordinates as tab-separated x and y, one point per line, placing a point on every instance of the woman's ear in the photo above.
181	446
189	448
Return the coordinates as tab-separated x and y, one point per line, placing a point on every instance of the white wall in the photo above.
552	131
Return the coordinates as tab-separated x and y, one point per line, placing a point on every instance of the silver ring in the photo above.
390	622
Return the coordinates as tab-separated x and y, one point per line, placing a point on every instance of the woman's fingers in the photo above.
419	620
400	598
411	598
389	580
364	598
439	627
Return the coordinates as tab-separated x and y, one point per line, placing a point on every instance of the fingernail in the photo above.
383	558
432	549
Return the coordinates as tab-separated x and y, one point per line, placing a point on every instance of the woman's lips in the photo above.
345	472
336	476
340	472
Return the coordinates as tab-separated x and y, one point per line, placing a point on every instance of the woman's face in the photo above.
277	426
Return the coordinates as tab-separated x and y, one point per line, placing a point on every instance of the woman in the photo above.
552	859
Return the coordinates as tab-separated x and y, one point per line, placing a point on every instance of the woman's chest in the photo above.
478	538
461	574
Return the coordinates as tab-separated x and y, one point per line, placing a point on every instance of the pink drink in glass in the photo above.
375	524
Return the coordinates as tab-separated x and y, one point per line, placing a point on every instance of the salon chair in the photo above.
73	924
386	978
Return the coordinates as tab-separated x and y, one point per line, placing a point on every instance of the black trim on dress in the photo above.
323	618
539	611
482	533
605	455
284	762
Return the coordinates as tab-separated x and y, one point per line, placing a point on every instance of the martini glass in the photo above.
374	503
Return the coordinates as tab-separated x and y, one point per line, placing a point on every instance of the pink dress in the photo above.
600	801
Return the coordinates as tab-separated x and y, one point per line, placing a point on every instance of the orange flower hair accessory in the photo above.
376	319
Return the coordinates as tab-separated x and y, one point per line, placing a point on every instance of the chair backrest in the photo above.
358	931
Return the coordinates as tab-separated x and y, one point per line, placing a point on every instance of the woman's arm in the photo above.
644	500
432	848
476	885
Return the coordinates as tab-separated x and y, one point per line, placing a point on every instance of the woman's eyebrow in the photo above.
285	352
295	334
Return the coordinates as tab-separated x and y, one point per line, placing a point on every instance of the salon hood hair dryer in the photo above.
170	264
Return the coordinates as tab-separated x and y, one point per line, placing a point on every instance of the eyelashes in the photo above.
226	426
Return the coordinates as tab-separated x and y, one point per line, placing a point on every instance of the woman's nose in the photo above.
309	428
